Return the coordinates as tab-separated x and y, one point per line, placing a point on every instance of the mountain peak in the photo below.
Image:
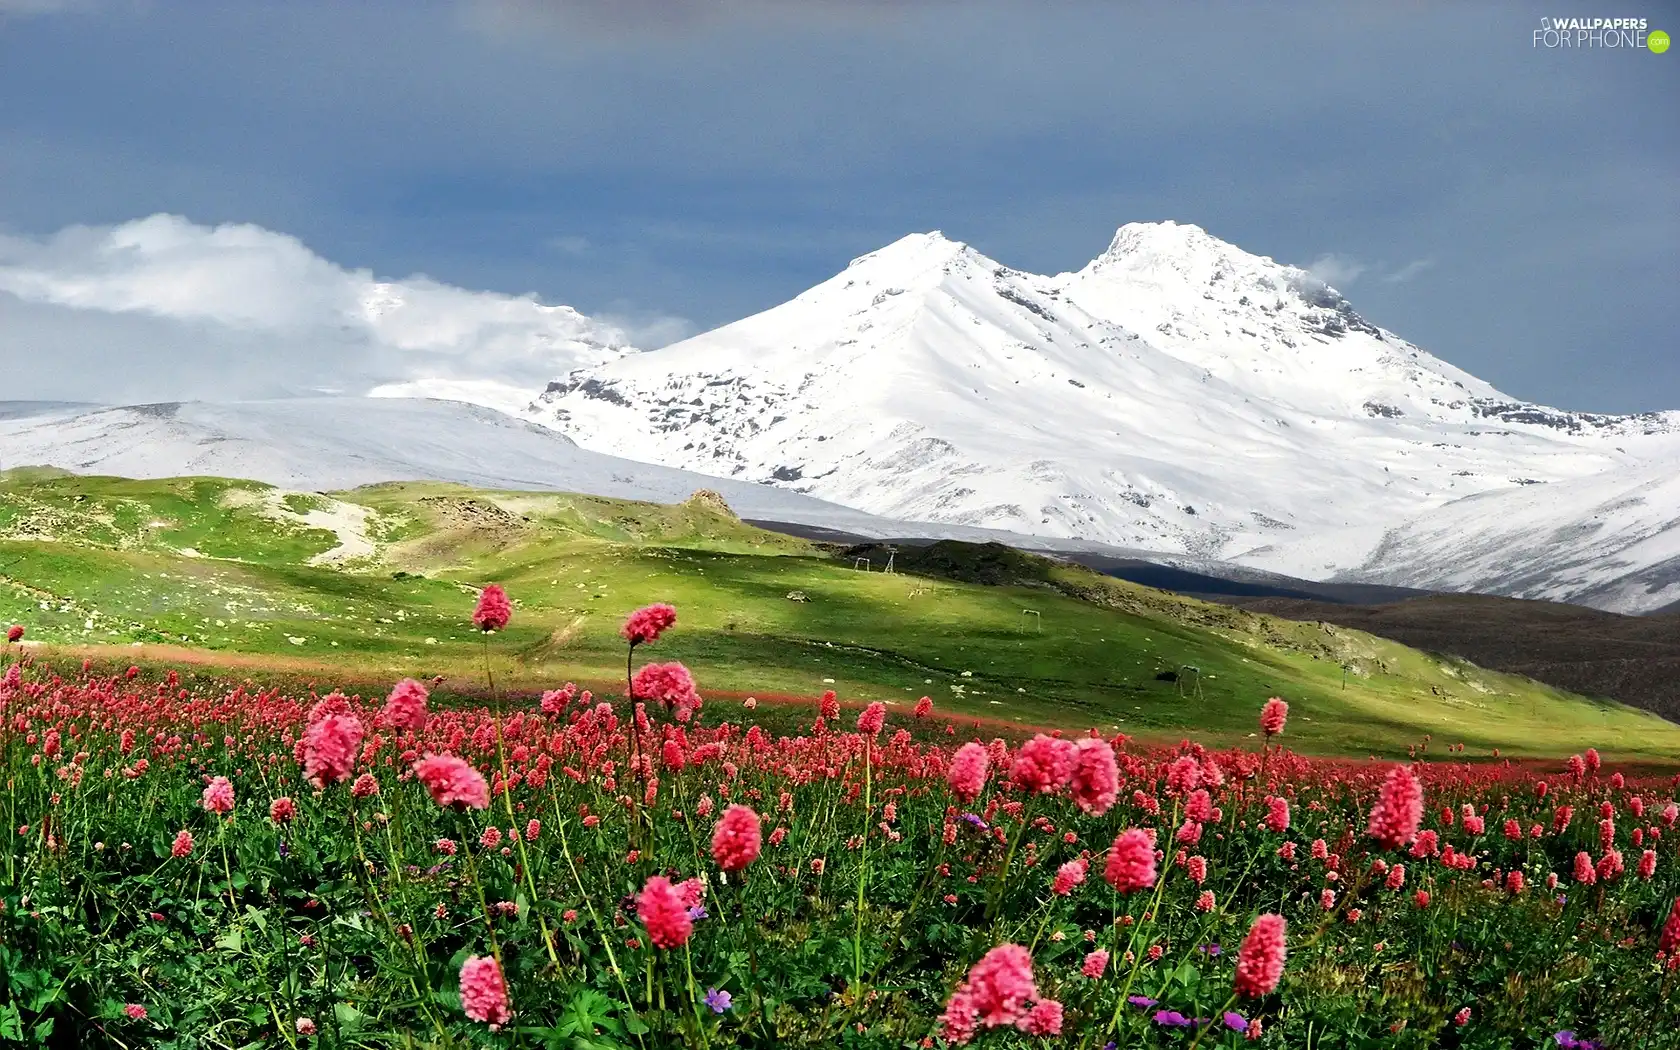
916	251
1183	246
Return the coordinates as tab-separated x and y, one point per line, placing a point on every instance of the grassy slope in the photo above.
97	561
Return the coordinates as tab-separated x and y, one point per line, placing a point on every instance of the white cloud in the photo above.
570	244
1408	271
1338	271
163	307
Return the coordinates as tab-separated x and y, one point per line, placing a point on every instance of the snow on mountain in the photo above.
326	444
1177	395
1611	541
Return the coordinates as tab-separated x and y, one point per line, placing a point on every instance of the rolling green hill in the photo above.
376	583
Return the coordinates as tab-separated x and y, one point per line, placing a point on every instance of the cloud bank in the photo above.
163	308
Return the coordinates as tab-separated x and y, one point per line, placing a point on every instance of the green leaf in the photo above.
232	940
11	1023
1187	975
349	1018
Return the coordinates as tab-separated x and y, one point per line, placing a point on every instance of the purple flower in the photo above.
1173	1018
1211	949
1235	1022
717	1000
697	912
974	819
1140	1000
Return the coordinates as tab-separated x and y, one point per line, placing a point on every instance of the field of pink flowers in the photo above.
233	867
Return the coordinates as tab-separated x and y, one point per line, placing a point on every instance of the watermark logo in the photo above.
1632	34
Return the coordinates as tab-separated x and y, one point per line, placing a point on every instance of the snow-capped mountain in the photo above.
1177	394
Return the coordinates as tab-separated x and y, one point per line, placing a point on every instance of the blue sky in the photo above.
678	165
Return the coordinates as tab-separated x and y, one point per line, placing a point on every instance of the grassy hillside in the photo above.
378	582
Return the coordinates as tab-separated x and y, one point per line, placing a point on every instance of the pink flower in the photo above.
1277	814
1131	862
1068	876
329	748
737	838
1199	806
1095	964
1585	873
957	1023
1042	765
1205	901
494	610
183	845
1184	775
1272	716
1095	780
1196	867
1462	1018
305	1026
1396	877
924	707
1399	809
491	837
282	810
647	623
554	701
1045	1018
1260	959
1000	985
670	684
484	995
1647	864
218	796
533	828
135	1011
14	633
405	708
452	781
1669	941
967	772
661	910
829	706
872	718
365	786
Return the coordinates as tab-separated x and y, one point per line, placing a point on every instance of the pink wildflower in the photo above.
1131	862
1399	809
484	995
1260	959
738	838
452	781
493	611
405	708
1095	779
646	624
218	796
872	718
329	748
1068	876
661	910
